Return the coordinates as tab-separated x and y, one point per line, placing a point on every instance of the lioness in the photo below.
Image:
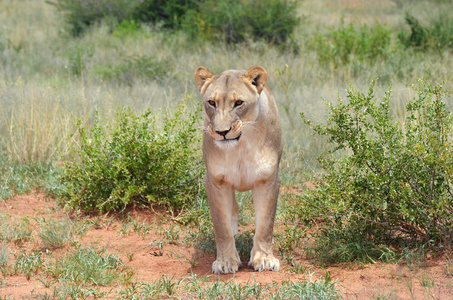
242	149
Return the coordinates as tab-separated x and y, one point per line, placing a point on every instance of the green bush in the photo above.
345	44
418	36
442	31
127	28
437	36
272	20
81	14
229	20
235	21
395	185
135	162
167	12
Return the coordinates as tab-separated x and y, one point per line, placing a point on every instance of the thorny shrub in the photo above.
135	162
395	185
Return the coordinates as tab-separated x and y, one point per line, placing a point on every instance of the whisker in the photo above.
249	124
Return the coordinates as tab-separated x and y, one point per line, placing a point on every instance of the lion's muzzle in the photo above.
233	133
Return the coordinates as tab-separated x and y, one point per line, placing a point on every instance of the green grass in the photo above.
198	287
141	228
449	267
171	235
17	177
163	287
29	263
57	234
70	290
15	230
4	258
89	266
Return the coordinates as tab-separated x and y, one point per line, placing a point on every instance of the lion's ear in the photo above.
258	77
201	75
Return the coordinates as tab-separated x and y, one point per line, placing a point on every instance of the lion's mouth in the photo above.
227	143
234	139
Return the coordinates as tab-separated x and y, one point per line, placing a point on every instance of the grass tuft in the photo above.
14	230
89	266
57	234
29	263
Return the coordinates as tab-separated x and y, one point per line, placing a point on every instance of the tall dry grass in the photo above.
34	125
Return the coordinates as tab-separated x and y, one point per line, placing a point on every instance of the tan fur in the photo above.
242	149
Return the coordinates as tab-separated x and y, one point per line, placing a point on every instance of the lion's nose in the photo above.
223	133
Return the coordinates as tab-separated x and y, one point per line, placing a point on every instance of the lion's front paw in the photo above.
225	266
265	263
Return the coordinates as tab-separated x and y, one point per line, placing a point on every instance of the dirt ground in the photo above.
430	280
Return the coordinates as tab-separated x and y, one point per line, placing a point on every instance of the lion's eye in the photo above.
238	102
211	102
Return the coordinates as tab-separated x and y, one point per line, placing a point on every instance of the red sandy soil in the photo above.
372	281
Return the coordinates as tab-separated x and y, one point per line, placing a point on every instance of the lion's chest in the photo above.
242	166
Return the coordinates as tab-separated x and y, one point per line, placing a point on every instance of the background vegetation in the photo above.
232	21
79	88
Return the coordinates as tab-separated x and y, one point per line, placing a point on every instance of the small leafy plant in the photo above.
57	234
394	187
171	235
142	229
135	162
29	263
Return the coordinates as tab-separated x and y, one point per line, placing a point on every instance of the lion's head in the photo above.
230	101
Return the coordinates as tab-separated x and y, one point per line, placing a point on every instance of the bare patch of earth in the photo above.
150	261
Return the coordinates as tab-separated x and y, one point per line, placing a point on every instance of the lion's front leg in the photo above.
265	202
224	213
